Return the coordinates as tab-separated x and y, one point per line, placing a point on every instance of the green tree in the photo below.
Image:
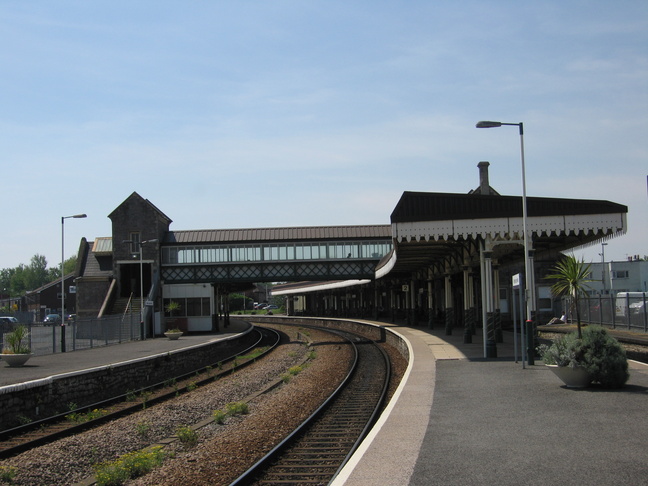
571	277
68	267
16	281
36	274
239	302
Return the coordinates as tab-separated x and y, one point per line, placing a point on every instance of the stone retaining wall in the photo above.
43	398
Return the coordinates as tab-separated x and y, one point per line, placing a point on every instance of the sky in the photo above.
254	114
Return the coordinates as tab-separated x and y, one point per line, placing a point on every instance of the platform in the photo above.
459	419
45	366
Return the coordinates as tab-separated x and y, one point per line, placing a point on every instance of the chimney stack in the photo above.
484	185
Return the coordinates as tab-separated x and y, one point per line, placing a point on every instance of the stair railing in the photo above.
108	300
128	306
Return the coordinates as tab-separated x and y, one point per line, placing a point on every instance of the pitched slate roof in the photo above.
432	206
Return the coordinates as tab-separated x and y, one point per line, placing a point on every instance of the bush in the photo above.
598	352
564	351
604	358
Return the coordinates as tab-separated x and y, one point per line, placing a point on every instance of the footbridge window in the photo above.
275	252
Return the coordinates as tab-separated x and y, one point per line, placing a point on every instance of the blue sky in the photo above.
296	113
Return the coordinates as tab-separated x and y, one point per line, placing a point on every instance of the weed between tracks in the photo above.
187	436
7	474
231	409
129	466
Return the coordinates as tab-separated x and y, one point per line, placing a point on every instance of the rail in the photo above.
18	439
318	449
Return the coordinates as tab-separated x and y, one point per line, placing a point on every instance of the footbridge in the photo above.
243	256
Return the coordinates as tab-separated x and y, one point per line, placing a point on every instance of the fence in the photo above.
625	312
85	333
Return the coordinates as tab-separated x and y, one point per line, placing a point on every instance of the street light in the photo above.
528	280
140	245
63	218
603	245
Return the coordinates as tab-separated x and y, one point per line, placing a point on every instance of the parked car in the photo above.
8	323
51	319
637	308
270	307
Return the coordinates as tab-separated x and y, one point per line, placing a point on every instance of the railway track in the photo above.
315	452
19	439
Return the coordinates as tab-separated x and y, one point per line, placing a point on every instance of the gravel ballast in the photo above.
223	451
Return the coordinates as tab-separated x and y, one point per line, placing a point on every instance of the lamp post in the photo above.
603	245
63	218
528	280
141	264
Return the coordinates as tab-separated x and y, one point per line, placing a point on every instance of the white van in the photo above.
631	302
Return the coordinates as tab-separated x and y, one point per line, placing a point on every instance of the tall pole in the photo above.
142	291
529	283
603	245
528	280
63	218
141	251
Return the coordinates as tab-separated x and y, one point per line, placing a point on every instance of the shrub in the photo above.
564	351
598	352
605	359
16	341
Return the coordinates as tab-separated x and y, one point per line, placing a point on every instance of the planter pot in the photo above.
572	377
173	335
15	360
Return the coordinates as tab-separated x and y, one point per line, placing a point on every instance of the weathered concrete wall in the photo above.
49	396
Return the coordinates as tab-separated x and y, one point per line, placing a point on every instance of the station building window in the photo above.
189	307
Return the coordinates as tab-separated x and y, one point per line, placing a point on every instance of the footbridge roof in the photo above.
255	235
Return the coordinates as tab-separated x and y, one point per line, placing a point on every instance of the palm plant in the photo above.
571	277
172	306
16	341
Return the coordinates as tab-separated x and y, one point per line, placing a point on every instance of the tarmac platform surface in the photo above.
463	420
39	367
460	419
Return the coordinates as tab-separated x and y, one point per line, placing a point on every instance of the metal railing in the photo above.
83	333
626	312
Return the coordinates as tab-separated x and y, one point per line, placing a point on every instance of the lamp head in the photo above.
488	124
